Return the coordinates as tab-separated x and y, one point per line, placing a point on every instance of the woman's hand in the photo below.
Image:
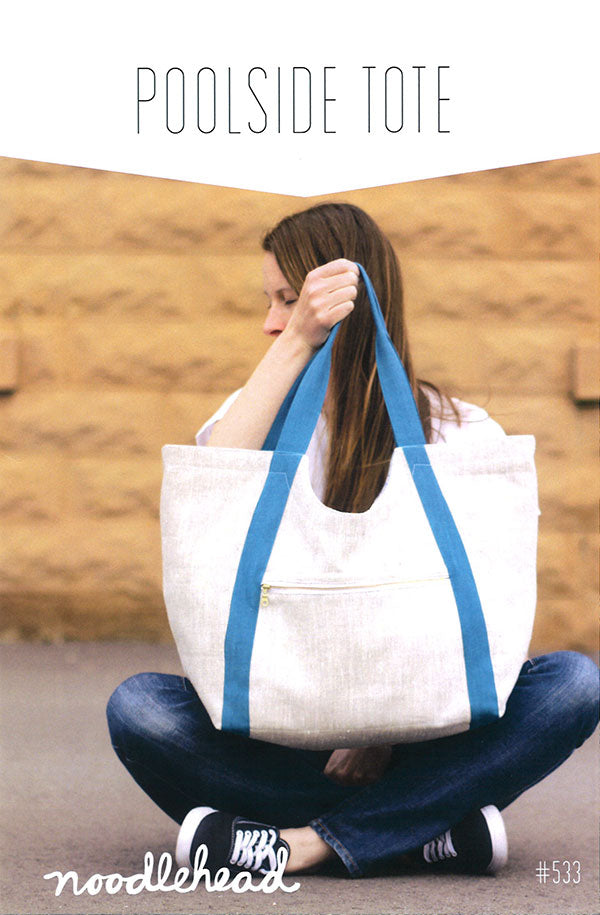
361	766
326	298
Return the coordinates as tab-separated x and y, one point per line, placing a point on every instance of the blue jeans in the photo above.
163	735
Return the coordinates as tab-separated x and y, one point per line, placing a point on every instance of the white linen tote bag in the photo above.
306	626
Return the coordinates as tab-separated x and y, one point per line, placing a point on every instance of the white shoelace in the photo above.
252	847
439	848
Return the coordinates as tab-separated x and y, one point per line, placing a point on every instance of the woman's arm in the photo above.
327	297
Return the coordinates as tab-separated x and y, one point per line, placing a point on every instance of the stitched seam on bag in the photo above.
265	733
326	586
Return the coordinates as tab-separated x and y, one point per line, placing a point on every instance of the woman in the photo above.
437	801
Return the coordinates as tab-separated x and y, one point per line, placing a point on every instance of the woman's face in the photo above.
281	296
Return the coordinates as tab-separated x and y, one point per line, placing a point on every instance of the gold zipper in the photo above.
264	589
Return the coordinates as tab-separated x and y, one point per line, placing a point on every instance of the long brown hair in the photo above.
360	435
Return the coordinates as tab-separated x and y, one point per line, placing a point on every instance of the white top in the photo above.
474	424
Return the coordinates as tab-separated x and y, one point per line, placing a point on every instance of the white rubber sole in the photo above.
499	839
187	831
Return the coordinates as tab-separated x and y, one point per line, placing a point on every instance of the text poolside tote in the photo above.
306	626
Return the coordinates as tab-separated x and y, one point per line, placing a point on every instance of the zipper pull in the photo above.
264	595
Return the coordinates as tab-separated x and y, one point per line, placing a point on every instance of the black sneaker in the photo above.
233	842
478	845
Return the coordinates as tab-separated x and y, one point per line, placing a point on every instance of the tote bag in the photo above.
309	627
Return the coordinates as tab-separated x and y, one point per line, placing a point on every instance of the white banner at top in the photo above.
305	99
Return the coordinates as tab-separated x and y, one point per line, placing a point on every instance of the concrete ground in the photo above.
67	804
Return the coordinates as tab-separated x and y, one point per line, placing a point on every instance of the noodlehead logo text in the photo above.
220	882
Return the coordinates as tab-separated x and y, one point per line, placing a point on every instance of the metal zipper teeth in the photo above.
325	588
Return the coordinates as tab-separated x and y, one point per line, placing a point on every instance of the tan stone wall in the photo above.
133	305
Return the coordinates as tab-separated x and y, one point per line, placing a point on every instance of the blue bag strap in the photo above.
289	438
275	430
304	407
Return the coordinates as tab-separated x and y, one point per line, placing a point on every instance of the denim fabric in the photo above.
163	735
